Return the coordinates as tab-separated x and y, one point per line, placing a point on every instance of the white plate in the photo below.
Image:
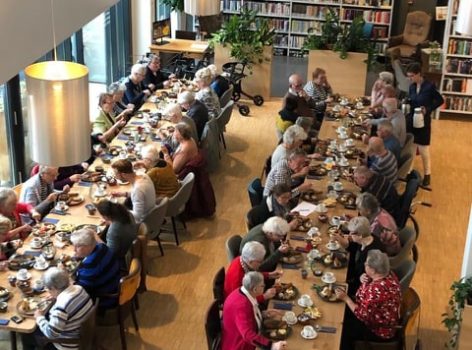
310	303
328	281
45	267
28	276
36	246
306	337
343	137
328	246
66	208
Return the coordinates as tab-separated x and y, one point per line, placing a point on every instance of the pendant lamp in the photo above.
202	7
464	18
58	109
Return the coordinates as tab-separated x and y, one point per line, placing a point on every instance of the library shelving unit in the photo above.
293	18
456	80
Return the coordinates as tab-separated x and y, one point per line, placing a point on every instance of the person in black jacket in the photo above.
422	94
195	110
136	92
155	76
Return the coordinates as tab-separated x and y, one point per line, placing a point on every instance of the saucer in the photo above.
333	247
41	268
308	337
27	277
302	304
343	137
64	209
288	322
328	281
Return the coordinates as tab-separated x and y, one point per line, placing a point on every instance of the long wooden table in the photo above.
191	48
332	313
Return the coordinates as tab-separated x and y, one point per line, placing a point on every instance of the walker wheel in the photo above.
236	96
258	100
244	110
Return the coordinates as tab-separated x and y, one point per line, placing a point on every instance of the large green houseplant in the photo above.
246	35
462	295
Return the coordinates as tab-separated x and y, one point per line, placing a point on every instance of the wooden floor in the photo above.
172	311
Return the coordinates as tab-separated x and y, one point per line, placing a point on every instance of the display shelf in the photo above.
458	75
455	111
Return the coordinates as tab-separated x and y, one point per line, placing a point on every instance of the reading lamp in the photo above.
202	7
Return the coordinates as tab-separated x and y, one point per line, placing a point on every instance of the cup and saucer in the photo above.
41	263
290	318
338	186
36	243
308	332
305	301
61	206
349	142
328	277
333	245
23	275
38	286
343	136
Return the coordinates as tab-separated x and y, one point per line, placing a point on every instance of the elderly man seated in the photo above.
383	161
305	104
251	258
395	116
291	171
70	310
385	132
99	272
142	195
174	113
136	91
38	190
292	139
379	186
196	110
154	76
274	230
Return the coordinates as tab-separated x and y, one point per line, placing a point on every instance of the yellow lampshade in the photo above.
464	18
58	109
202	7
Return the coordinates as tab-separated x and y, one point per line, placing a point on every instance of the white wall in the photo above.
142	16
26	30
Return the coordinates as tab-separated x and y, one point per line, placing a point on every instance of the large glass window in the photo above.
94	42
5	164
162	10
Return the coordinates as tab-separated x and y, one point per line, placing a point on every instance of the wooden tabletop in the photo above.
181	46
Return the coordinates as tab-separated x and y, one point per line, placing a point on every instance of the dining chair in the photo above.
139	251
233	245
154	220
413	181
209	142
224	119
219	286
176	204
407	237
407	156
126	301
227	96
213	326
257	215
255	190
405	272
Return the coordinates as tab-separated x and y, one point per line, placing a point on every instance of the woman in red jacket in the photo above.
10	208
242	319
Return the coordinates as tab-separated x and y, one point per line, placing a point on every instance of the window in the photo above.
162	10
94	46
5	164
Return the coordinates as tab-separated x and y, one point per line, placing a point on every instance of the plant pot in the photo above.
465	335
346	76
257	83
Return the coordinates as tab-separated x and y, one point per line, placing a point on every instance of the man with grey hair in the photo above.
305	104
383	161
99	272
293	138
395	116
71	308
274	230
385	132
291	171
154	75
38	190
173	112
252	256
136	92
196	110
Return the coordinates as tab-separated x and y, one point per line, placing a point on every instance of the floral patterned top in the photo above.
378	305
211	101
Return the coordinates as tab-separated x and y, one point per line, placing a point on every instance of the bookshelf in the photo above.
292	19
456	80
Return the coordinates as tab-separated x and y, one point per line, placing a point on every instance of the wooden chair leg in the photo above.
122	329
133	315
175	231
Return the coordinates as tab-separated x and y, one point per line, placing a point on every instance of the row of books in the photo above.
279	9
458	103
458	85
459	66
296	42
304	26
368	2
230	5
459	47
380	32
281	40
318	12
368	15
280	24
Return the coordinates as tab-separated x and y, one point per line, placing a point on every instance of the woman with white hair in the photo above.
136	92
273	231
293	138
173	113
219	83
251	258
374	313
377	96
71	308
117	90
382	224
205	94
242	319
99	272
196	111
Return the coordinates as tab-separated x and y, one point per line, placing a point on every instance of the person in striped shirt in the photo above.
320	91
64	319
383	161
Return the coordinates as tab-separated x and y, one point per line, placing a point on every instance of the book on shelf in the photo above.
457	103
459	47
459	66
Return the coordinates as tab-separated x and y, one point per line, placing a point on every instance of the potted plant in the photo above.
460	303
247	38
175	5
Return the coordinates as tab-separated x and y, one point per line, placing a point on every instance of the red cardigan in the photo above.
234	278
239	325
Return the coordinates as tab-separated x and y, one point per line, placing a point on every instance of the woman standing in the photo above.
422	94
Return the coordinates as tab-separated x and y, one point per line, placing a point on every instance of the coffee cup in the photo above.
329	277
312	232
313	254
305	299
36	241
336	220
309	332
338	186
61	205
91	209
3	306
290	317
22	274
38	285
349	142
12	280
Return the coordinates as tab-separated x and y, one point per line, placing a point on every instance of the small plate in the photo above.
42	268
328	281
299	302
309	338
28	276
333	247
64	209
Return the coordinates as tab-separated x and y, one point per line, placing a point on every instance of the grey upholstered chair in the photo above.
226	97
233	244
405	272
154	219
223	119
407	239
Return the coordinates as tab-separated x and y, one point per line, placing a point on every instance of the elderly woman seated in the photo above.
292	139
219	84
274	230
374	313
173	113
377	94
71	308
160	172
136	92
359	242
251	258
287	116
242	321
99	272
206	95
185	152
320	91
105	127
382	224
117	90
196	110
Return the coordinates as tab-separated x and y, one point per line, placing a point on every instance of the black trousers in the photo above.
35	341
